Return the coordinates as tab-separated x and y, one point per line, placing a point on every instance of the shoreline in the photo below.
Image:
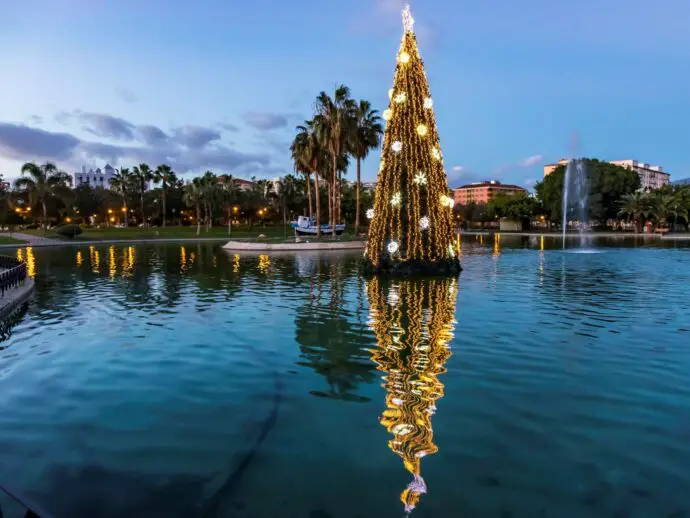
240	246
247	244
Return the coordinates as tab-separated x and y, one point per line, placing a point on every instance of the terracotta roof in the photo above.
489	184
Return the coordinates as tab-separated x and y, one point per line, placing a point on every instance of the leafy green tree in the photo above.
230	195
364	135
607	184
194	197
42	183
165	176
285	192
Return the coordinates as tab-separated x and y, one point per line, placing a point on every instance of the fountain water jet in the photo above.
575	194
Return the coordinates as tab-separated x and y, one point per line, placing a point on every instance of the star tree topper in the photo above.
408	21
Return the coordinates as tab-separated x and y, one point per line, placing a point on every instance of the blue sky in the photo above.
221	84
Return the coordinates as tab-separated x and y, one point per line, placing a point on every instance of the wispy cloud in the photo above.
532	160
524	163
126	95
265	120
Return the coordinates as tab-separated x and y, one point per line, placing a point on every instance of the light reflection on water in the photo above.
566	394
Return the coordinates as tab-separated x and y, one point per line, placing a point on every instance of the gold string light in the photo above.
411	167
413	322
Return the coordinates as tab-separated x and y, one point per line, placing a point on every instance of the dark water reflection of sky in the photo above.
184	381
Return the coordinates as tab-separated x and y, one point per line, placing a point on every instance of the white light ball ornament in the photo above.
404	57
424	223
401	98
447	201
370	213
392	247
396	146
428	103
390	93
436	154
422	130
387	114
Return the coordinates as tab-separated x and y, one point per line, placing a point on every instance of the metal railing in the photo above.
32	509
13	274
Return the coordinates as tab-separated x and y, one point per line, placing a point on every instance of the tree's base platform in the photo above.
445	267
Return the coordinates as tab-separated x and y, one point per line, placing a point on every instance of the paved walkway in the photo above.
30	238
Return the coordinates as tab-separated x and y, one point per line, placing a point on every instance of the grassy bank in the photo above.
6	240
270	233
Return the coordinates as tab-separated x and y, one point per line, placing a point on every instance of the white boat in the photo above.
304	226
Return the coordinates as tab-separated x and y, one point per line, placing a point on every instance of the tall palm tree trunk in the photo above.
45	214
229	220
318	204
309	196
330	203
126	211
141	203
359	174
335	192
164	208
198	219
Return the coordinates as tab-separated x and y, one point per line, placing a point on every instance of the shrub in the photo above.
32	226
69	230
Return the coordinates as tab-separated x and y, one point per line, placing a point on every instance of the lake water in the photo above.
183	381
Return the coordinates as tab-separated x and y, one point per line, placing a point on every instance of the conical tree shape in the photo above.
412	221
413	321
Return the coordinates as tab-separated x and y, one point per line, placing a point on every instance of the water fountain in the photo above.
575	194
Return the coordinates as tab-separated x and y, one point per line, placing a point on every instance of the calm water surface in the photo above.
185	381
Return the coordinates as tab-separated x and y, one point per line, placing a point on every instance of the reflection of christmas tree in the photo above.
412	218
413	322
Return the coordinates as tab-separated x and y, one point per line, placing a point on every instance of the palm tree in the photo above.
664	206
364	136
193	196
41	183
167	178
121	182
635	206
333	120
209	183
307	151
300	159
142	175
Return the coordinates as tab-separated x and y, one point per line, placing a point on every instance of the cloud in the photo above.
265	120
532	160
530	182
151	135
36	119
457	169
461	175
195	137
185	148
20	142
107	126
228	127
126	94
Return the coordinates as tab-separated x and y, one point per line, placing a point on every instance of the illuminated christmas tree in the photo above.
411	228
413	322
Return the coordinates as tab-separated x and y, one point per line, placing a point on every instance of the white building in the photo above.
651	176
94	177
